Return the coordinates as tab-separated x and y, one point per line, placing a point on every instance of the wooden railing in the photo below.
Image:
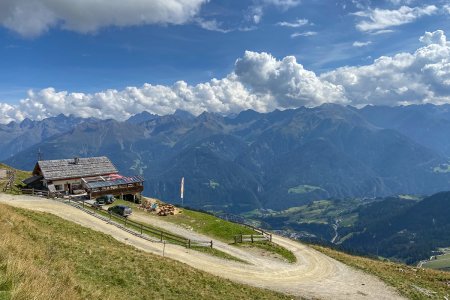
135	227
236	219
241	238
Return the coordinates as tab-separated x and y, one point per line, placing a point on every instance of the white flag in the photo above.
182	188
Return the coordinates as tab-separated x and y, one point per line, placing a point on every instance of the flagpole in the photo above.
182	191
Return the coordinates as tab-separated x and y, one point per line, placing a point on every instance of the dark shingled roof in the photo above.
124	180
32	179
67	168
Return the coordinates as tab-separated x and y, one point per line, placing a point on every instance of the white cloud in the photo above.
32	18
306	33
405	78
262	82
283	4
361	44
286	81
446	8
297	23
212	25
380	19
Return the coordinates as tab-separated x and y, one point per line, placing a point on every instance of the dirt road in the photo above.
314	276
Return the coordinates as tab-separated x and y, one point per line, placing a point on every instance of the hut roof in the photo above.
76	168
119	181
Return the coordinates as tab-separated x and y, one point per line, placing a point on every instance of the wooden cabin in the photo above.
93	176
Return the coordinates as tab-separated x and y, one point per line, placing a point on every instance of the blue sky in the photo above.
73	52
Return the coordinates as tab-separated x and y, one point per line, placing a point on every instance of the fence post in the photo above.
161	236
83	203
251	236
126	222
189	244
211	244
141	229
32	191
235	239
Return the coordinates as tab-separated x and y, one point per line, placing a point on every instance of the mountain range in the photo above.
256	160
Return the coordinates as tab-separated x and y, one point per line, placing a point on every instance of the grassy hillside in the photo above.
20	175
414	283
45	257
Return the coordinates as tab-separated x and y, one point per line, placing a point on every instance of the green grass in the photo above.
411	282
304	189
442	262
224	231
45	257
273	248
209	225
218	253
20	175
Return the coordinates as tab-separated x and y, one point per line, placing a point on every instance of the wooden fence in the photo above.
129	224
141	228
162	235
241	238
11	174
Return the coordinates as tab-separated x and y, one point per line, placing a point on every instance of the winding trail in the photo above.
313	276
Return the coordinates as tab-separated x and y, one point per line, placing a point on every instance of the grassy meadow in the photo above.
45	257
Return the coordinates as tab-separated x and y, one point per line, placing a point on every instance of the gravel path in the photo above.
314	276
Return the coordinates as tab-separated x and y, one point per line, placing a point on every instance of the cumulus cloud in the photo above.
223	96
32	18
260	81
405	78
286	81
381	19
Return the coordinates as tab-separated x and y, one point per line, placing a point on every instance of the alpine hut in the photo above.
94	176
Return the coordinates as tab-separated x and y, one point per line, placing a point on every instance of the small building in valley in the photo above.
93	176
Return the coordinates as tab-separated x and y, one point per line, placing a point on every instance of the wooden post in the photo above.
32	192
235	239
161	236
211	244
189	244
251	236
141	229
126	222
83	203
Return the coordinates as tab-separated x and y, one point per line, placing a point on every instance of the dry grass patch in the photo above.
45	257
